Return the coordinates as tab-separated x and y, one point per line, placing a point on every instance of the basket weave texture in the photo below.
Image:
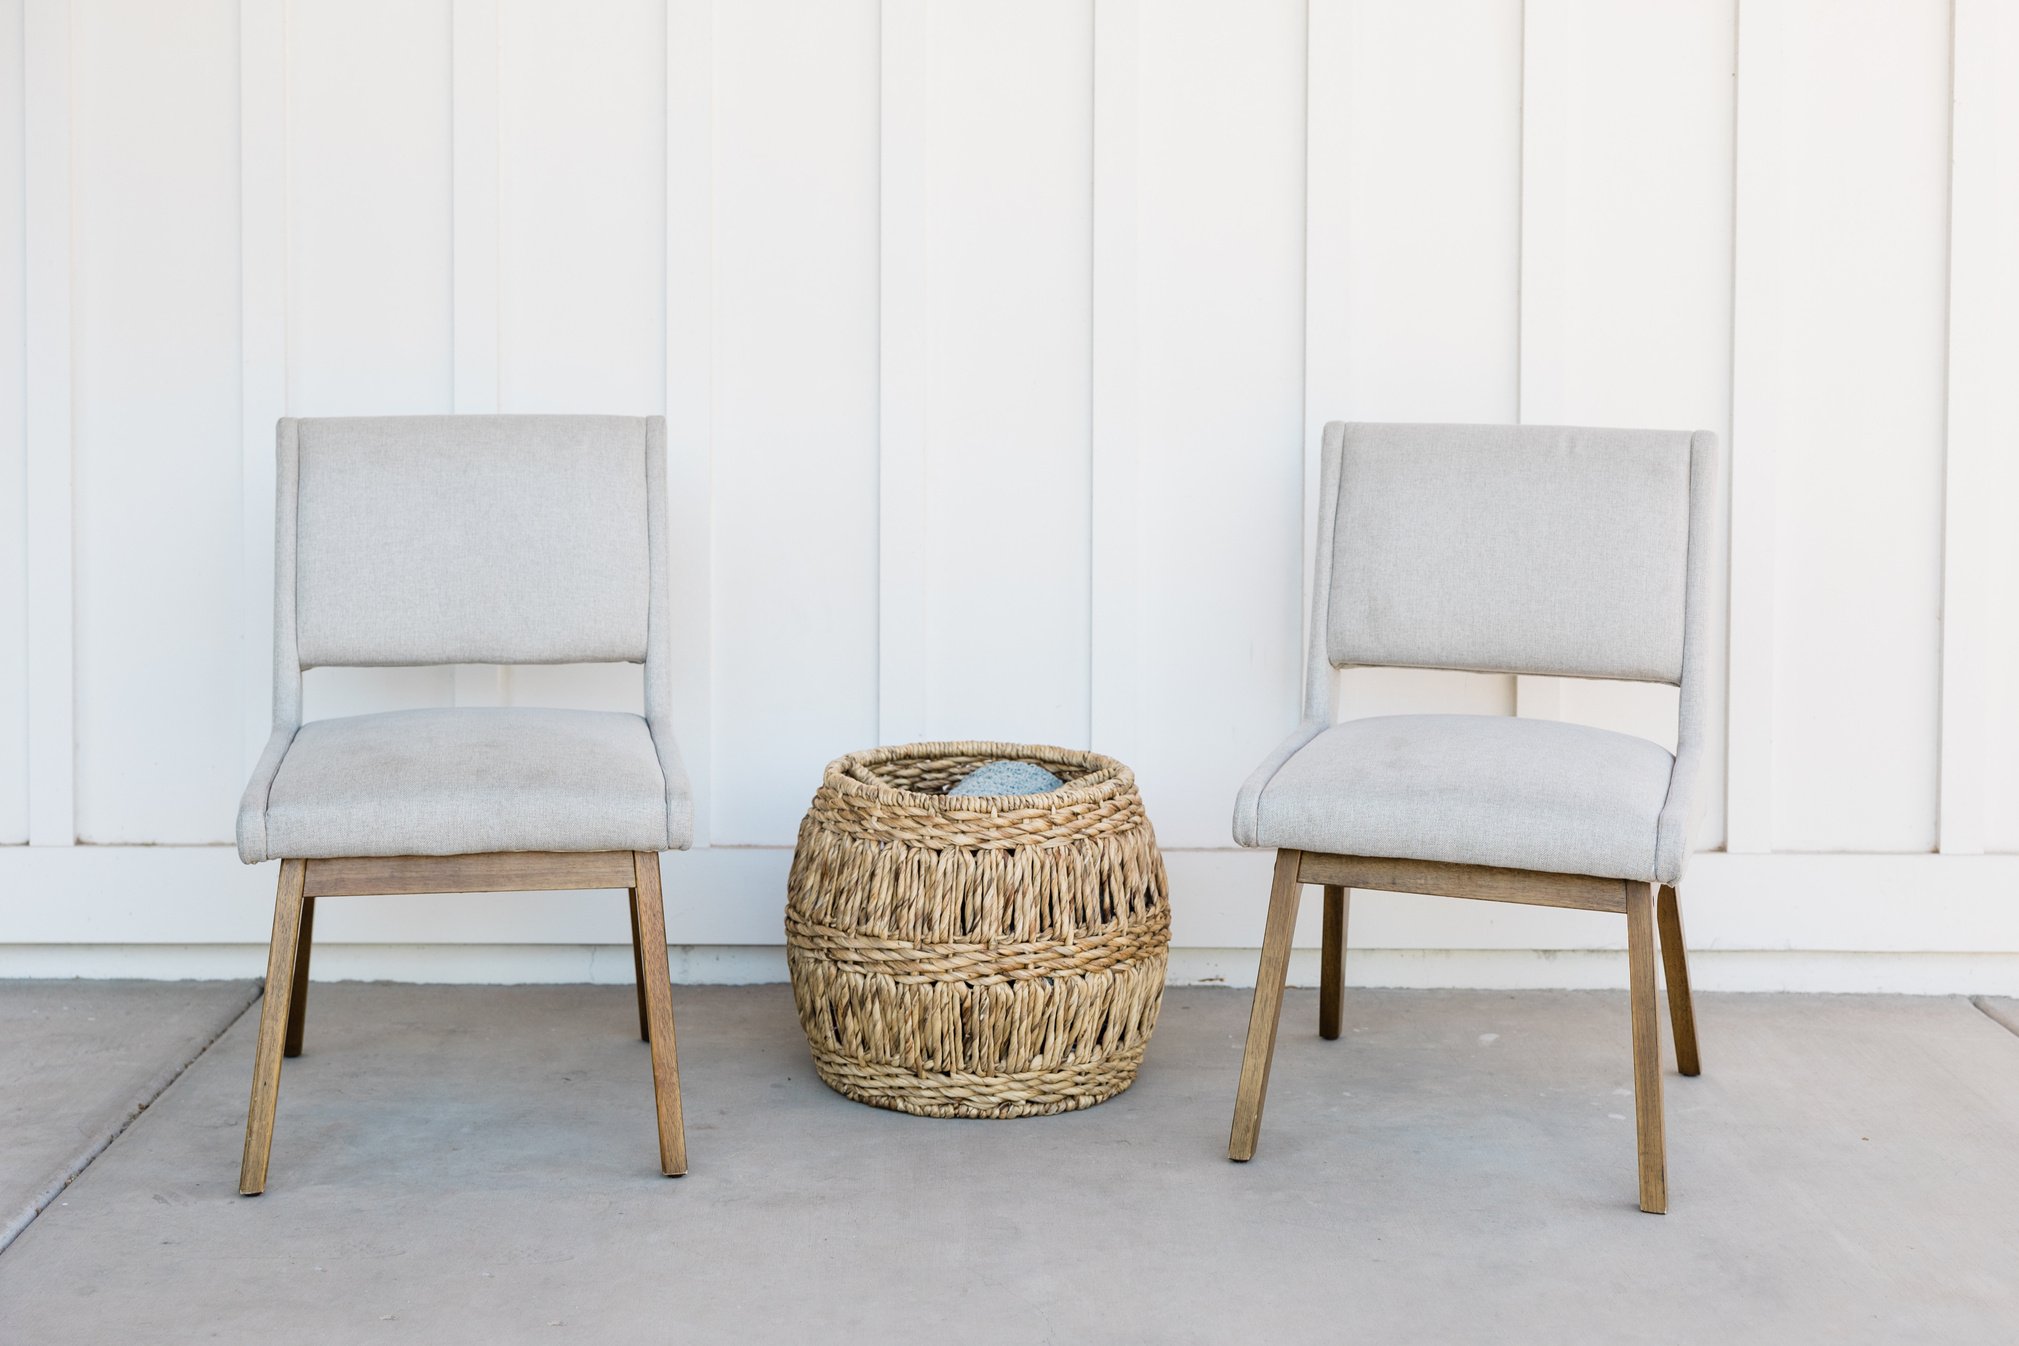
976	957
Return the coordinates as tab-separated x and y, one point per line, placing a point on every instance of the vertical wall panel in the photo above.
795	405
1753	454
1626	260
1842	353
1414	249
369	275
995	307
474	166
369	227
904	62
1115	653
262	337
157	464
582	215
13	455
995	340
1980	650
48	478
1221	223
582	190
689	386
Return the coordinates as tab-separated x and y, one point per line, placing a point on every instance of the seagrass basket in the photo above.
994	956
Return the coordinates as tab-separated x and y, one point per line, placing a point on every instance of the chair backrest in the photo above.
1514	548
470	539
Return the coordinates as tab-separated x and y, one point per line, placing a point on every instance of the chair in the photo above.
480	540
1510	549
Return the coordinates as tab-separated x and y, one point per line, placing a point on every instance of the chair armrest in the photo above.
1249	801
1679	814
252	805
679	794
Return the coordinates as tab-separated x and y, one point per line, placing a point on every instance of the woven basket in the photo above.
976	957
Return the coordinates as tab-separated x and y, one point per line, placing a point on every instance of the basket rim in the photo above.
1105	777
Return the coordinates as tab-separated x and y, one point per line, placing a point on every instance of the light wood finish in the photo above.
503	872
1483	882
1650	1140
1332	971
1340	874
283	1008
1269	978
297	1003
659	1014
1675	962
273	1015
638	969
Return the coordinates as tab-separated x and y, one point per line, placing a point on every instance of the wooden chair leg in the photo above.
273	1020
638	971
1650	1139
656	978
1675	963
1268	1007
1332	971
297	1001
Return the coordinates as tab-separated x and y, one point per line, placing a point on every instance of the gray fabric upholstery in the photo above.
1472	789
1578	552
468	780
1514	549
659	642
1679	815
252	840
469	539
472	539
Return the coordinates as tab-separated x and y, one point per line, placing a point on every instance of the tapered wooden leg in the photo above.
657	980
1675	962
1332	971
297	1001
1269	978
273	1019
1650	1138
638	971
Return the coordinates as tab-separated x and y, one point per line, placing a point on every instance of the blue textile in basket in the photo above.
1007	778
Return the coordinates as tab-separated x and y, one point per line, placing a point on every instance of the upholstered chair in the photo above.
1509	549
423	540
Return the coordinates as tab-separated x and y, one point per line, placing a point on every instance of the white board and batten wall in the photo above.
994	340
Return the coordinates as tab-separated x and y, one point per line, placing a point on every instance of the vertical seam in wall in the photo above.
1520	194
1755	825
48	438
1731	448
263	348
903	370
688	299
1091	554
1114	403
1305	496
1949	620
876	599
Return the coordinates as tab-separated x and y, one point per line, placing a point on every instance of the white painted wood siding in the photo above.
994	339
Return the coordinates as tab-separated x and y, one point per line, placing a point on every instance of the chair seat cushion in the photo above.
1472	789
470	780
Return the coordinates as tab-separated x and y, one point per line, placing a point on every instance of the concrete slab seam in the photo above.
21	1218
1998	1013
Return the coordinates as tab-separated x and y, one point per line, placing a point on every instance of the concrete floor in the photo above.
476	1164
79	1060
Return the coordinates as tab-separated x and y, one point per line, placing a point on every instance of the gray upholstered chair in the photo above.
1511	549
479	540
